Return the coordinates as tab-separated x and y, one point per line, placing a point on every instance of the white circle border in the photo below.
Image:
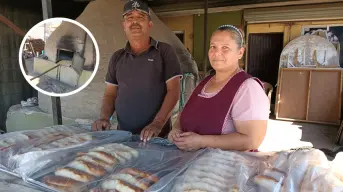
97	60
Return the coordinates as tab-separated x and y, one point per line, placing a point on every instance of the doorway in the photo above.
263	58
180	35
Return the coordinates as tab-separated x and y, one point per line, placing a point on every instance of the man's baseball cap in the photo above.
136	5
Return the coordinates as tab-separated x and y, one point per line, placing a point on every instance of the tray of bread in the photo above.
12	143
293	171
217	171
30	162
113	166
14	139
300	170
24	158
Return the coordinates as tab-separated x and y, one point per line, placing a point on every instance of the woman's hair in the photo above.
237	34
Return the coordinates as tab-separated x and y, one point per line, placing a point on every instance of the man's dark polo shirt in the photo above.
141	81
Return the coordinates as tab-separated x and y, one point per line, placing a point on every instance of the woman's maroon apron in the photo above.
206	116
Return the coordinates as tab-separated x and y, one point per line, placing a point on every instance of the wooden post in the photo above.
205	37
47	10
55	101
56	110
308	94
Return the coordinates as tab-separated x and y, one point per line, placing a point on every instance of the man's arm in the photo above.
171	73
110	95
170	100
166	110
107	108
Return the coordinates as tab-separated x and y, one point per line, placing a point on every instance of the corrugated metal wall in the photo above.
13	86
328	11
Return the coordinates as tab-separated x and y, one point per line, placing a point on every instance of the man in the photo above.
143	79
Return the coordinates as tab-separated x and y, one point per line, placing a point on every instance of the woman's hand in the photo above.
173	134
189	141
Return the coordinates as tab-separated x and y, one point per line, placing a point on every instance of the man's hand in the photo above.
189	141
152	130
101	124
174	133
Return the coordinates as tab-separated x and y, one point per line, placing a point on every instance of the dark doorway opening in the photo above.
180	35
263	59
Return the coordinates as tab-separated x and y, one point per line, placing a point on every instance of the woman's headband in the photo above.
225	27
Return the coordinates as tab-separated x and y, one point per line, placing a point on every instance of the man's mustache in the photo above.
135	26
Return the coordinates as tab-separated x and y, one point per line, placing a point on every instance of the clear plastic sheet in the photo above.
10	187
96	167
32	163
13	143
309	51
288	171
23	158
219	170
12	139
300	170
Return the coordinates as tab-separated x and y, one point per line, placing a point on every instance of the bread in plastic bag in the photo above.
29	163
15	144
300	170
218	170
156	168
95	167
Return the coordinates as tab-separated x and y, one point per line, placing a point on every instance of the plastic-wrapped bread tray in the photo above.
17	158
95	168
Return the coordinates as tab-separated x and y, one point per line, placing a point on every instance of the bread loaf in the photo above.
62	183
103	156
142	174
120	186
95	170
132	180
96	161
74	174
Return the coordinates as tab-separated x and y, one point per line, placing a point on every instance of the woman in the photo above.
228	110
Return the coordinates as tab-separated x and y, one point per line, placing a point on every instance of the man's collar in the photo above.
153	43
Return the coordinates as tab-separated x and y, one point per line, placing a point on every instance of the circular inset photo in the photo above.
59	57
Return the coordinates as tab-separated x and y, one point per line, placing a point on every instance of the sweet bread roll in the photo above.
205	180
96	161
95	170
103	156
132	180
120	186
124	148
203	174
138	173
198	186
116	148
74	174
61	181
220	171
62	189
